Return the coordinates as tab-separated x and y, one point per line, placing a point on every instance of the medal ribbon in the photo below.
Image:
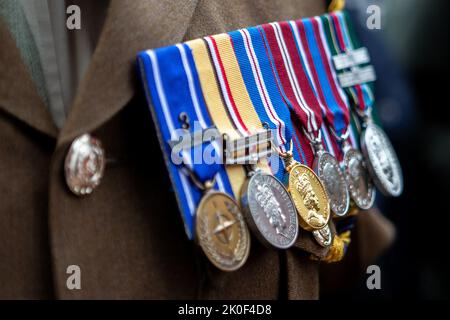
293	77
233	89
262	87
328	35
172	92
237	100
295	86
226	97
268	66
257	89
318	64
215	104
343	31
287	45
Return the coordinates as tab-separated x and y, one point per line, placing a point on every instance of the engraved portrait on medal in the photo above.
270	211
310	198
329	171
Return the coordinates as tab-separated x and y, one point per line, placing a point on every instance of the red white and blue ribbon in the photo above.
318	64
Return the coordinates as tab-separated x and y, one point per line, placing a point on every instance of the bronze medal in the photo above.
222	232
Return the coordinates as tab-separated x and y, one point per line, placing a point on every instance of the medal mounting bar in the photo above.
357	75
247	150
351	58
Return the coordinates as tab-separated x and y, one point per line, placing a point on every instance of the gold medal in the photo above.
309	195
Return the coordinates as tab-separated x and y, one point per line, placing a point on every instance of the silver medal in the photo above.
323	236
359	182
269	210
329	172
328	169
382	160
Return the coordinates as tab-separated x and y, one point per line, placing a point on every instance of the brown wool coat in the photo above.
127	236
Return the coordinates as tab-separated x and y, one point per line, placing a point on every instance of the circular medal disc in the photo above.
329	171
359	182
310	197
270	211
323	236
382	160
222	232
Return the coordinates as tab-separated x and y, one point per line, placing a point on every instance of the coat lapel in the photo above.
18	94
111	79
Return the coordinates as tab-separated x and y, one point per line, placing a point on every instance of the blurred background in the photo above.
411	57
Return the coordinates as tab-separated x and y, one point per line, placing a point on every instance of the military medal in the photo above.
309	194
220	227
240	81
329	171
359	182
269	210
221	230
381	159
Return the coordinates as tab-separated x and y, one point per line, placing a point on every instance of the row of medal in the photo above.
302	81
313	195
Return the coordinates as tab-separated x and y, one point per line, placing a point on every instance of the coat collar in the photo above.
18	94
111	79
